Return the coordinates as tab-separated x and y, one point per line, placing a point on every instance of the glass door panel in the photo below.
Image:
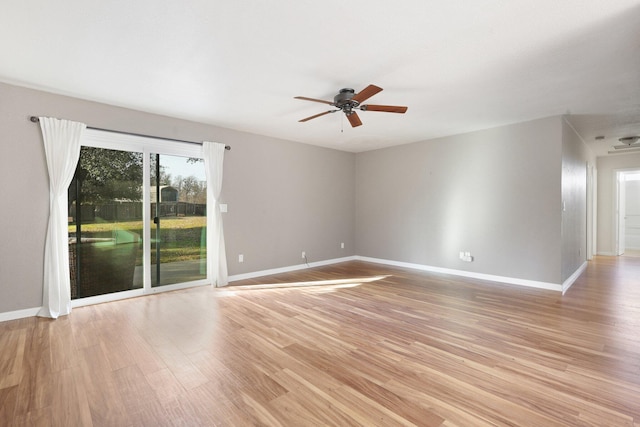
178	219
105	222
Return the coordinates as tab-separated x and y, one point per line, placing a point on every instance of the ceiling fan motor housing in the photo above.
343	100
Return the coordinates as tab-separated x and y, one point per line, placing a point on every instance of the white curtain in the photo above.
62	150
213	154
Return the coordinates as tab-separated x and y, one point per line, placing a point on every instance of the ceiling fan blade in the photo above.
317	115
354	119
366	93
384	108
304	98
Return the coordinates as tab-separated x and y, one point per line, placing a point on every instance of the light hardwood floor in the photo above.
349	344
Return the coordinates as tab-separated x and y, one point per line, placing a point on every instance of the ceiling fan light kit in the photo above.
348	102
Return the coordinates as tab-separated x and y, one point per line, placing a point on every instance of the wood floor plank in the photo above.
37	372
315	403
70	405
166	386
8	398
350	344
11	361
139	398
105	400
296	410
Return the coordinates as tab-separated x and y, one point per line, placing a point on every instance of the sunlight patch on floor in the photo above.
316	286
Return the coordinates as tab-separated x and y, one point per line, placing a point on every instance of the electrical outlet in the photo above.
304	254
240	258
342	245
466	256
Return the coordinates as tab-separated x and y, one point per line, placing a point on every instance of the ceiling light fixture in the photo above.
629	139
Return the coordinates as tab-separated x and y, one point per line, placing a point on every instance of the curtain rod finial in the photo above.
34	119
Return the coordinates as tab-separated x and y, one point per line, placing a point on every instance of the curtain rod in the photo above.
36	119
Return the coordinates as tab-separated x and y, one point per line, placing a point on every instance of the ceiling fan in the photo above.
348	102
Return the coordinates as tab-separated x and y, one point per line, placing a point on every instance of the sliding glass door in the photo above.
105	222
178	230
137	216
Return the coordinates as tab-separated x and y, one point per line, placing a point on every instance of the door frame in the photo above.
619	201
145	145
592	191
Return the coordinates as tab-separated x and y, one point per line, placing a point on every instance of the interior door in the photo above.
179	217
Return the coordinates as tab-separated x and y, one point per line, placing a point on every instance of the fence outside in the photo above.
131	211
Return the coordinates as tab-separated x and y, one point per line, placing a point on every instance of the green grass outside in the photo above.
181	237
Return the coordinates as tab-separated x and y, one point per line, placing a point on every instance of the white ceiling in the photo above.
459	65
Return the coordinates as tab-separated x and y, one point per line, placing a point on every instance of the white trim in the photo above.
615	235
607	253
618	228
99	299
178	286
567	283
481	276
137	143
19	314
269	272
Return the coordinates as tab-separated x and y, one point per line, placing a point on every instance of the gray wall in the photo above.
575	157
283	197
606	197
495	193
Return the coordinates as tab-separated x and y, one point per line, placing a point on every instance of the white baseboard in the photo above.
489	277
269	272
607	253
567	283
19	314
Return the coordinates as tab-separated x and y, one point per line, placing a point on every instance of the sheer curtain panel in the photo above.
213	154
62	149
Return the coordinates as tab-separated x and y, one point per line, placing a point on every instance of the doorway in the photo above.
627	212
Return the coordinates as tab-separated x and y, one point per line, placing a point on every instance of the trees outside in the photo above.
107	175
190	189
